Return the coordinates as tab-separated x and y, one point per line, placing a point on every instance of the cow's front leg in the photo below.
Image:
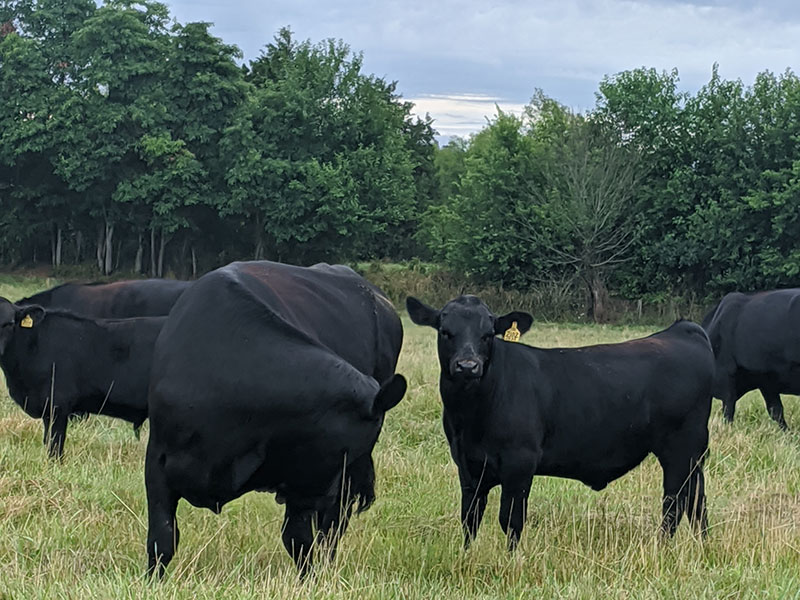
729	399
473	505
298	537
514	505
55	421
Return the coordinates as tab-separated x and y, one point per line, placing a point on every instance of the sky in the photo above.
458	60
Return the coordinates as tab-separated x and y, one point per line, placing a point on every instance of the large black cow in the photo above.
756	342
117	300
512	411
99	366
266	378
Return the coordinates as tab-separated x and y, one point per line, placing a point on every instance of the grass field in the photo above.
77	529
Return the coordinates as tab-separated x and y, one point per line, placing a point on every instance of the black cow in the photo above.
266	378
756	341
117	300
99	366
512	411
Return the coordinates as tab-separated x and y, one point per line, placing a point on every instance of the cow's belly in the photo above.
596	460
210	475
212	484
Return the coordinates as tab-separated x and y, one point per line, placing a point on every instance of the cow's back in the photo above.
333	305
589	399
756	332
116	300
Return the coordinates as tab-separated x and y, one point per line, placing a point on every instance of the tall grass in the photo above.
77	529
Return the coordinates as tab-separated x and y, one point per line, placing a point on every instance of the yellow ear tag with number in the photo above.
512	333
27	322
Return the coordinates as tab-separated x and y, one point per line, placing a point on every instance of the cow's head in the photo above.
14	318
466	329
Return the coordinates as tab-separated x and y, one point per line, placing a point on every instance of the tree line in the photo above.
653	193
124	135
142	144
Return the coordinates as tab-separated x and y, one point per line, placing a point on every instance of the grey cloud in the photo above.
509	48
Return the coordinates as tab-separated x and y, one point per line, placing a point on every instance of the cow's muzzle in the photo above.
467	367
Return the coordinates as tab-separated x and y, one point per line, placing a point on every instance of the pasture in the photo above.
77	529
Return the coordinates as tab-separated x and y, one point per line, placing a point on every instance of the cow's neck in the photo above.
466	400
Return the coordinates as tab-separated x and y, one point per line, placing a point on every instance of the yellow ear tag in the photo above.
27	322
512	333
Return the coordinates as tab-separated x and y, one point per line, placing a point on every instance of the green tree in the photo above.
322	160
476	229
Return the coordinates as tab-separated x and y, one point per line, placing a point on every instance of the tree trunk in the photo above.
78	246
59	245
108	265
152	251
259	239
119	253
194	264
100	247
598	298
183	260
137	262
161	250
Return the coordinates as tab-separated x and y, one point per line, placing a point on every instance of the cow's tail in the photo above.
361	481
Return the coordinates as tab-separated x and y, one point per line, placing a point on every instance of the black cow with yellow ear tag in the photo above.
58	364
512	411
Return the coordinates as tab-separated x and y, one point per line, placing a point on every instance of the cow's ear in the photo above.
391	392
422	314
29	317
522	319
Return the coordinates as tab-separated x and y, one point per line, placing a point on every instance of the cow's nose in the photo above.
467	366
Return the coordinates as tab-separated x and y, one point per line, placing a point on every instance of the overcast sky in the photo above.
457	59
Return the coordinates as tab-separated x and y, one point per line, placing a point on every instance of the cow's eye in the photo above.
446	334
7	324
487	336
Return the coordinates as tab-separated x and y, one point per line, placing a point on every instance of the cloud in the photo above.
507	49
461	115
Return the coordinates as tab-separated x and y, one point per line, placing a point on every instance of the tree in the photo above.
474	230
586	203
322	157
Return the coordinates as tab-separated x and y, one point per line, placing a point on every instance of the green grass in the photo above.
77	529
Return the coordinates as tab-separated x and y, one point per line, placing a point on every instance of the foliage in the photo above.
141	144
119	125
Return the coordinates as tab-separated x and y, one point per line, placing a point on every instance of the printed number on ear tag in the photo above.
27	322
512	333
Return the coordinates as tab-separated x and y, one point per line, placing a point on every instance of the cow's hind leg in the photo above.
695	499
358	483
729	405
332	522
684	483
162	502
774	405
298	537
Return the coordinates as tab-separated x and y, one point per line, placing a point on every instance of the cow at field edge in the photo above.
57	364
116	300
266	377
513	411
756	342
